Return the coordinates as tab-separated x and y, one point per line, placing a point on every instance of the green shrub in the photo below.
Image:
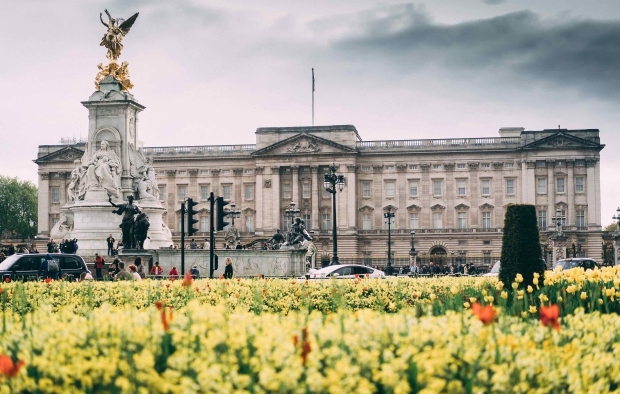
521	251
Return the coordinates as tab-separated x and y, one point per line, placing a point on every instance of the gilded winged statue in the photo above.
117	29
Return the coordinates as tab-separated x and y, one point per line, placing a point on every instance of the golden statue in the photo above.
117	29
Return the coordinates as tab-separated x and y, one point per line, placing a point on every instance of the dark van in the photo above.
26	266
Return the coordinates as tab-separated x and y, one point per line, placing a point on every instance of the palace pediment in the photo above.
65	155
562	140
303	144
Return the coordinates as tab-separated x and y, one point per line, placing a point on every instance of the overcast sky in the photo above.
212	72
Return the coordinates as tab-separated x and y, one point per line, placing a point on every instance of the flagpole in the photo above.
312	96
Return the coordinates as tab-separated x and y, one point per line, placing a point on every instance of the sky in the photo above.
211	72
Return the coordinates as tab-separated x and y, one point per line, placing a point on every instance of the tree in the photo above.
18	207
612	227
521	251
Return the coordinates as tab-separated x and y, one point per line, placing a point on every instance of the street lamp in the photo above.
575	249
617	218
332	183
233	214
292	213
388	217
413	242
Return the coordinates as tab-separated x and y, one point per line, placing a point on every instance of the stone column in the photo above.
475	193
275	202
559	250
597	189
377	196
592	191
43	221
450	197
260	208
530	181
550	192
351	181
570	192
316	183
171	200
295	191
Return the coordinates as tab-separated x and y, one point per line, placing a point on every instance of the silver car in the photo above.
345	271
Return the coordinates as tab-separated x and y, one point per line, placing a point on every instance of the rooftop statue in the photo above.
117	29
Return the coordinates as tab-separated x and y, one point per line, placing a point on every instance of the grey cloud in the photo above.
493	2
582	54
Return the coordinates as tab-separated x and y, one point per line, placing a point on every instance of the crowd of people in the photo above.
430	269
11	249
67	246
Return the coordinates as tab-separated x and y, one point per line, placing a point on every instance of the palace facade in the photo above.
452	192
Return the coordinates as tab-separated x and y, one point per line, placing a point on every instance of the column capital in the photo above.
351	168
45	176
171	173
193	172
215	172
473	166
591	162
275	170
314	169
446	166
237	171
259	170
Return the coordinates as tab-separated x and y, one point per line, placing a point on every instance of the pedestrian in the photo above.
51	245
99	263
34	249
173	274
194	272
156	270
147	243
193	244
133	270
119	246
228	271
84	276
49	268
74	246
122	273
11	250
206	245
113	269
110	241
140	268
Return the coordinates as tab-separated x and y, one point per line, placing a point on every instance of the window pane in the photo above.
204	192
460	188
510	186
542	219
226	192
486	219
560	185
286	191
55	194
542	185
249	224
204	224
581	218
162	193
389	189
326	222
308	222
462	220
366	222
437	220
486	187
249	192
305	190
182	192
436	188
413	221
366	189
413	189
579	184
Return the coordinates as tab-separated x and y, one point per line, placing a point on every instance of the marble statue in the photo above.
76	188
297	233
129	211
104	169
143	174
117	29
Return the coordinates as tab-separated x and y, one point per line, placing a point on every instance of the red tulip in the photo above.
486	314
549	316
8	368
187	280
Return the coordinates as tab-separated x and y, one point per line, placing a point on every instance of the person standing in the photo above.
228	271
156	270
173	274
49	268
193	244
98	266
140	268
11	250
51	245
110	241
206	245
133	270
122	273
194	272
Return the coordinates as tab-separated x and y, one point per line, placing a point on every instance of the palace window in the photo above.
580	163
485	165
413	189
437	188
486	187
286	190
413	167
248	171
225	172
389	168
204	172
510	186
389	189
510	165
249	223
560	185
486	219
55	195
436	166
226	191
542	219
460	166
366	221
162	193
326	222
462	220
204	224
580	218
366	189
366	168
579	184
308	221
204	192
461	187
437	220
414	220
305	190
182	192
182	173
248	192
541	185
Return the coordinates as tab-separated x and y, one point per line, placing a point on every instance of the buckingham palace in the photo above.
451	191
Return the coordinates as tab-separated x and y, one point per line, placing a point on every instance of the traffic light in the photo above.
215	263
191	219
220	203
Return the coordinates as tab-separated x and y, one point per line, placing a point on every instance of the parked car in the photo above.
585	263
494	271
26	266
344	271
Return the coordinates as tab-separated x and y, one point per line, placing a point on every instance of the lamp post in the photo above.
617	219
233	213
332	183
575	249
292	212
388	217
616	239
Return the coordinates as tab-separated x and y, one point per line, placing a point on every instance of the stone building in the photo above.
452	192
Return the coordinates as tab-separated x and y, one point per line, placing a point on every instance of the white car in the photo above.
494	271
344	271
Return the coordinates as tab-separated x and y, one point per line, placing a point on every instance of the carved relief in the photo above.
259	170
351	168
473	166
377	168
401	167
171	173
304	146
275	170
486	207
366	208
425	167
267	183
462	207
531	164
45	176
215	172
448	166
591	162
110	111
314	169
437	207
414	208
237	171
193	172
498	165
